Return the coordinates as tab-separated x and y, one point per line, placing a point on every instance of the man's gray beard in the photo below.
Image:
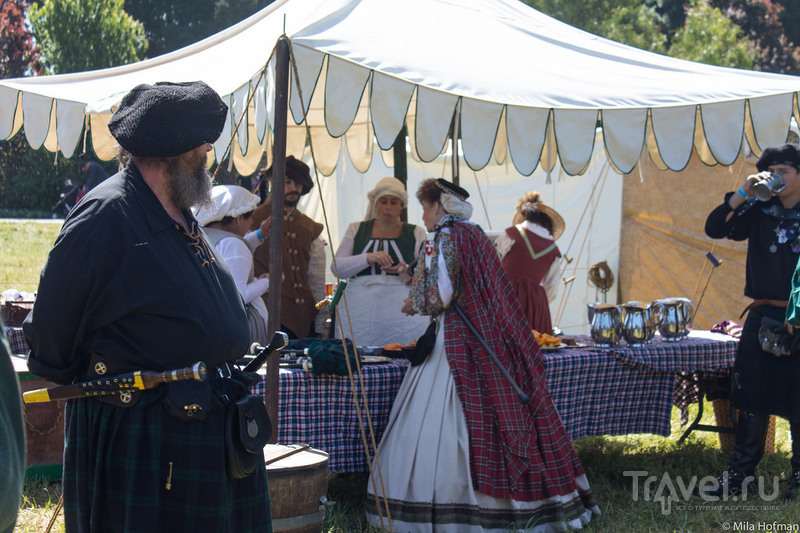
187	186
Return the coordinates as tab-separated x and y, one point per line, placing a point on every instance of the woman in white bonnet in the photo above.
226	221
374	255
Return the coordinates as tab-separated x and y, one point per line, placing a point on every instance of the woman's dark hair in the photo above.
527	209
429	191
228	219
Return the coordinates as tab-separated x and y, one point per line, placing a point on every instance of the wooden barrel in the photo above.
44	428
298	481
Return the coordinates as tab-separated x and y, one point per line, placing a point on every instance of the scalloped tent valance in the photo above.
515	84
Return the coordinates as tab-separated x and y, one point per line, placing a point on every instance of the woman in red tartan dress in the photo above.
461	452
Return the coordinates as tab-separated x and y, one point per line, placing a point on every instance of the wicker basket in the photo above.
722	414
15	312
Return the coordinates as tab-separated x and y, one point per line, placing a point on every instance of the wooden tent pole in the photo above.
401	164
454	148
276	230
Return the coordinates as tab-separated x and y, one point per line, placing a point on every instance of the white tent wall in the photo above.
591	205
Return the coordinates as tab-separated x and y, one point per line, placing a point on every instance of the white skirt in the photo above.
374	306
424	465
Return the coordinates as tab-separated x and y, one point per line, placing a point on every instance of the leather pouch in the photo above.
188	400
774	338
247	431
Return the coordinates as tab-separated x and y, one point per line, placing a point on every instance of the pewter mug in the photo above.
676	318
639	322
766	187
604	324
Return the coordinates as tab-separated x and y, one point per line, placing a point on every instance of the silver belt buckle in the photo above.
224	370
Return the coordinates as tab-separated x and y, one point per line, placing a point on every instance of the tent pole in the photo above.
276	230
401	163
454	148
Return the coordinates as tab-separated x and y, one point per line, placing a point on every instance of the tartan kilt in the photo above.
764	383
117	462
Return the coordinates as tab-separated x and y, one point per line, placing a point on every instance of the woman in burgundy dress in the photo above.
531	258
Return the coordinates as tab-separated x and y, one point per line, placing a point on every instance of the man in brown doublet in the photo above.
303	252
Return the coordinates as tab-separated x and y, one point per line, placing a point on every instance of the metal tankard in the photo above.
604	324
676	318
639	322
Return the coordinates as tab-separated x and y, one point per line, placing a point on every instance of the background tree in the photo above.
19	56
170	25
18	53
763	26
79	35
587	15
639	26
790	18
709	37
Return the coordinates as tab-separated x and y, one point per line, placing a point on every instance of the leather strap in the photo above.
764	301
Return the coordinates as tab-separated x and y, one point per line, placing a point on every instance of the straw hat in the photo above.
226	201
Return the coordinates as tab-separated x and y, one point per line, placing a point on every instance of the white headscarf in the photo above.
226	201
385	187
456	206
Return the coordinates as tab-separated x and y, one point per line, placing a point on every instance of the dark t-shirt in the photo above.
126	282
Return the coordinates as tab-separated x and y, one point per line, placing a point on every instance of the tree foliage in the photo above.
709	37
638	26
19	56
761	22
80	35
170	25
18	53
587	15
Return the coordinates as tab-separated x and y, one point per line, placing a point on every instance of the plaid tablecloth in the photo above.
621	390
596	391
16	340
701	350
320	411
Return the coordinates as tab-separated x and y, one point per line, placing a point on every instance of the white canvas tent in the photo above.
523	90
516	83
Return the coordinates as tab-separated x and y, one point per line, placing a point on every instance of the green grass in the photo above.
605	459
24	246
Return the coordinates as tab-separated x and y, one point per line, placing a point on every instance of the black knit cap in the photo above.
298	172
168	119
788	154
451	188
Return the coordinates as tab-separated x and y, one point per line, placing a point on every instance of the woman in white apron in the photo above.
374	256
